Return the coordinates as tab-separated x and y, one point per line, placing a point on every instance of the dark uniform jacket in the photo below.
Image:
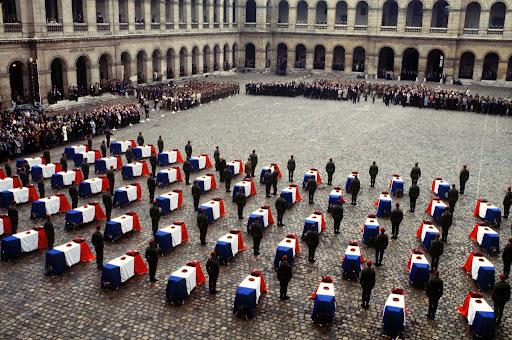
196	191
507	253
330	167
374	170
501	292
187	167
312	239
337	211
464	175
415	173
453	195
154	213
355	185
97	240
396	216
107	201
151	255
507	201
414	191
284	272
311	185
381	242
435	288
367	278
446	219
202	222
436	248
212	267
256	230
281	204
291	164
240	199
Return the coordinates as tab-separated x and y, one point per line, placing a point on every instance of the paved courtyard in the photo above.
73	306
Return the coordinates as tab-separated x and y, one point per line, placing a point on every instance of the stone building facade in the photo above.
79	42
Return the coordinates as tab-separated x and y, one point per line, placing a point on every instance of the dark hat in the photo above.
284	258
382	230
98	227
502	277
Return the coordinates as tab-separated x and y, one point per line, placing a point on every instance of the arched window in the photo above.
386	63
105	67
410	59
472	19
358	59
250	11
282	59
250	55
171	72
435	65
83	74
302	12
440	13
362	13
490	69
466	65
338	61
414	14
390	13
282	15
142	71
341	13
300	56
497	16
319	59
321	13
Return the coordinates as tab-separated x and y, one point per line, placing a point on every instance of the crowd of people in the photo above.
174	97
114	86
417	95
29	131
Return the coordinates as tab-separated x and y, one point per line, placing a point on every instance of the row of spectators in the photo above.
114	86
183	96
29	131
418	95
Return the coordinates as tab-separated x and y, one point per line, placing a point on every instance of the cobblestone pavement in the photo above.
36	306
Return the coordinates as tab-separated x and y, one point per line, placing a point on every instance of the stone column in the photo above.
484	21
477	69
221	13
162	14
311	18
426	23
349	59
328	58
147	15
422	67
114	18
351	18
374	18
67	17
453	19
211	10
397	65
310	56
95	73
401	20
188	18
90	15
2	27
292	16
189	64
260	59
331	17
71	75
176	14
130	16
200	18
502	70
229	22
261	15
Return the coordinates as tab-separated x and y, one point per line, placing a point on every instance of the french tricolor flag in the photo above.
263	215
45	170
171	236
435	208
291	194
249	291
182	281
479	314
236	167
88	156
393	315
418	268
229	245
66	255
370	228
315	221
71	150
166	158
93	186
5	225
18	196
200	162
247	186
30	161
121	269
83	215
144	151
396	183
427	232
213	209
486	237
52	205
170	201
137	169
487	211
23	242
335	196
273	167
117	227
311	173
350	177
206	182
325	301
119	147
166	177
440	187
62	179
103	164
290	247
10	183
481	270
127	194
352	259
383	204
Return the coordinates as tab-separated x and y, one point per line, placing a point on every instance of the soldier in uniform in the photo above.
507	202
337	215
129	155
40	187
7	167
107	202
227	177
103	148
463	178
414	193
506	256
330	168
73	193
281	206
374	170
46	157
396	217
153	160
140	139
13	214
64	163
50	231
154	214
256	230
111	179
284	275
202	224
381	243
275	176
446	221
291	168
222	168
500	296
196	195
160	144
247	168
98	243
367	281
434	293
415	173
453	197
188	149
240	201
436	250
212	268
152	258
311	188
254	161
187	169
312	239
267	179
85	169
151	182
355	185
216	157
